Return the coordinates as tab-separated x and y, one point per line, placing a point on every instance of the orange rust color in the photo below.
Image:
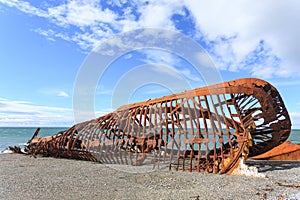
285	151
204	130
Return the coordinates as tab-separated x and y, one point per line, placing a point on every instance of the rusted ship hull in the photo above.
205	130
286	151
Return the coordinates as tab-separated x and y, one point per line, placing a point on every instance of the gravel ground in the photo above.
24	177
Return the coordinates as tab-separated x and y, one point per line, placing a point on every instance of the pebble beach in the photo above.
25	177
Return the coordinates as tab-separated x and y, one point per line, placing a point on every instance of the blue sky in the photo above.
44	44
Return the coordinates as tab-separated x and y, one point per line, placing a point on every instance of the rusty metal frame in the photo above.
205	130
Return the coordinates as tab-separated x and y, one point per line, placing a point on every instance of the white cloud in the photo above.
161	57
25	7
169	63
232	31
53	92
94	23
158	13
26	114
62	94
250	22
263	71
20	113
81	13
127	56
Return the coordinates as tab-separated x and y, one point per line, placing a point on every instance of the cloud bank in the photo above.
257	37
260	37
20	113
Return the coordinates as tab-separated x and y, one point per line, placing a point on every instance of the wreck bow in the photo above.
205	130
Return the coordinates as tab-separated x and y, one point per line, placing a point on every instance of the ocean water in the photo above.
16	136
295	136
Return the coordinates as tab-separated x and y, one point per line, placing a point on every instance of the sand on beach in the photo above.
25	177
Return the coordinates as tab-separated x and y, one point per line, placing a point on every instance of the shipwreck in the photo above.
210	129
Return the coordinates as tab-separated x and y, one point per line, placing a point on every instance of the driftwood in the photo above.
207	129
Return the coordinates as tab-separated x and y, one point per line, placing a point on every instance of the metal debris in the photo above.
207	130
284	151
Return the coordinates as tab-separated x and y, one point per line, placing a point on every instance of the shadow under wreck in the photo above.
212	129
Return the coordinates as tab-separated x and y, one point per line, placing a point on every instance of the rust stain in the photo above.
285	151
206	129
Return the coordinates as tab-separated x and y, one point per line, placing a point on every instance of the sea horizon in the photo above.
18	136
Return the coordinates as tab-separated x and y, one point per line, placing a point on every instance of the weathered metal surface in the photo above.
285	151
205	130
